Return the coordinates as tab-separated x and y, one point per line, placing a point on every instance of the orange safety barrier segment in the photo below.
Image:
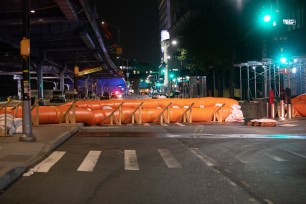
299	105
101	111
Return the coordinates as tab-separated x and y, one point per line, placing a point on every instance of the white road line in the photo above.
90	161
180	124
169	159
268	201
288	125
276	158
301	155
231	182
245	183
130	160
198	134
217	171
208	161
46	165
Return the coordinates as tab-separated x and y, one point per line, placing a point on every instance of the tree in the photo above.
210	41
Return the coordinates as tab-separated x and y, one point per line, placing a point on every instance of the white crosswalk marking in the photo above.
46	165
169	159
90	161
208	161
130	160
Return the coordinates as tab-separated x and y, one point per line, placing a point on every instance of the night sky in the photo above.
138	23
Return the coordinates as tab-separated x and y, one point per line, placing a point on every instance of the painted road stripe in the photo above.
297	154
268	201
208	161
130	160
276	158
288	125
46	165
90	161
180	124
199	134
169	159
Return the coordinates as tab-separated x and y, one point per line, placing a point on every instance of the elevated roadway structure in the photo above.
65	37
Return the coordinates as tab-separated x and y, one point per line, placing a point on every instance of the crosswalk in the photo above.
131	162
90	161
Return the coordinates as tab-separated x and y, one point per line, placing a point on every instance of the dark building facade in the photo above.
258	43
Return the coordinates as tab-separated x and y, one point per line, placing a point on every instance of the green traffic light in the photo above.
283	59
267	18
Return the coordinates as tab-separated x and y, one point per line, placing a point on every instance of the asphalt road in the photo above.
168	165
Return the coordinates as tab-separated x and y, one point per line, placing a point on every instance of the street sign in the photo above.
289	21
119	50
89	71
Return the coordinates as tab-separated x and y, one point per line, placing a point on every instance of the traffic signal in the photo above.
283	60
267	18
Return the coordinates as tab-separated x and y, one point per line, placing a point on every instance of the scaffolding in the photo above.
257	78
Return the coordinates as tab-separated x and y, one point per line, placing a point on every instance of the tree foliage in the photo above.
210	39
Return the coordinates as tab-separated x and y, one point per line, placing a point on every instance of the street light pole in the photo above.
127	74
26	85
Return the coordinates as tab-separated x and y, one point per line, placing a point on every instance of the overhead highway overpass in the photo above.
64	34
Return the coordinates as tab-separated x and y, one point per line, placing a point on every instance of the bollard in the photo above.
282	110
272	111
267	110
289	111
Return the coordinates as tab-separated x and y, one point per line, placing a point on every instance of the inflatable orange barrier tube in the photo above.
299	105
99	111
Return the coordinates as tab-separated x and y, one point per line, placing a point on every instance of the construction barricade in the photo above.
97	112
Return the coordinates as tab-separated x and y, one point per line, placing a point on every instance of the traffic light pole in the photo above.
26	85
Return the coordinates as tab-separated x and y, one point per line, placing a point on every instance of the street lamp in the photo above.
174	42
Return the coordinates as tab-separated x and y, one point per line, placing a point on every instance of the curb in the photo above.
17	171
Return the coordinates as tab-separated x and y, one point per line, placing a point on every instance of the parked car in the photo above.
58	97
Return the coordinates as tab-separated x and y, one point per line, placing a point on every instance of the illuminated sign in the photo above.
89	71
164	35
289	21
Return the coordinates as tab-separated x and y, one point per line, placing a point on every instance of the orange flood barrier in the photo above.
299	105
136	111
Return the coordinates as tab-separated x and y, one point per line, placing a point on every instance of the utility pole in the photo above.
26	85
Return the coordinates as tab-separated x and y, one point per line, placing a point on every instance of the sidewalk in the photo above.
16	156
